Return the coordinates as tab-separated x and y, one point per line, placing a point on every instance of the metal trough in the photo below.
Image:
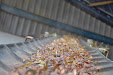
13	54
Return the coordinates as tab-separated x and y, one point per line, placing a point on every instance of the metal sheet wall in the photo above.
57	10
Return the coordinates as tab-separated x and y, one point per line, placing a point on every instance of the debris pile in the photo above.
64	56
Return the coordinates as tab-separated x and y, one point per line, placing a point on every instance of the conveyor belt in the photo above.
105	64
12	54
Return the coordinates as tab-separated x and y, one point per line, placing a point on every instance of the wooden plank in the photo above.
100	9
100	3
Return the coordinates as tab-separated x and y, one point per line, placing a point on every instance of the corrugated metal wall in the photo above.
22	26
57	10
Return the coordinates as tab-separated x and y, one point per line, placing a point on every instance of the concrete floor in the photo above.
6	38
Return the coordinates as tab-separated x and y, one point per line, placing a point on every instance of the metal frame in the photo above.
106	18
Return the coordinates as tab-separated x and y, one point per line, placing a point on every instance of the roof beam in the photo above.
100	3
93	12
100	9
